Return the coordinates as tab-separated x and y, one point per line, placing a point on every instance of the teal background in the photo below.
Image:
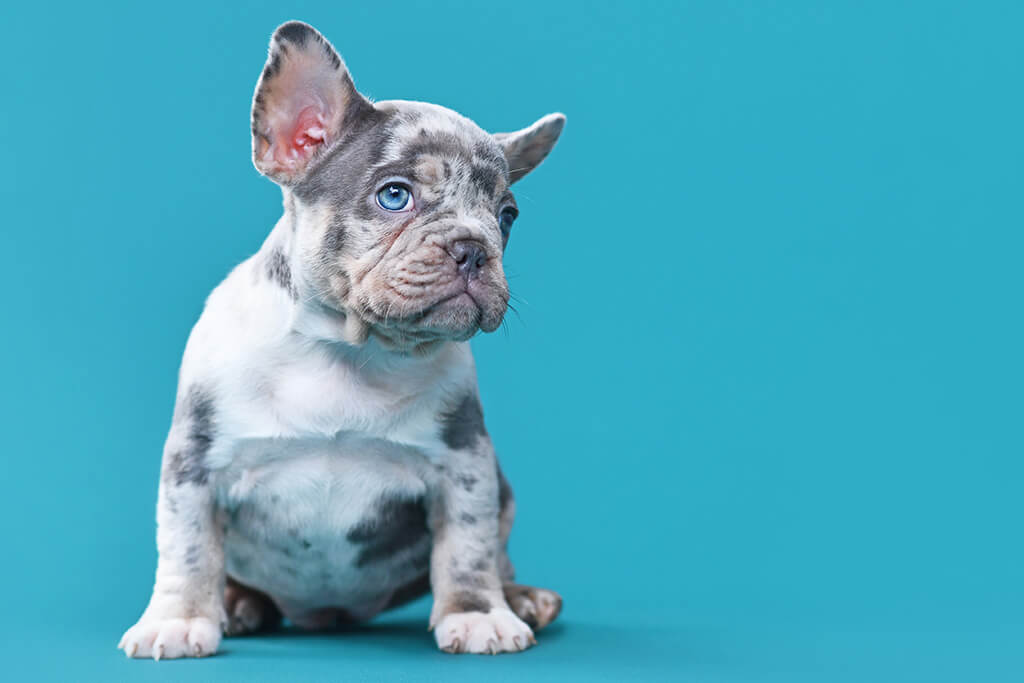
762	409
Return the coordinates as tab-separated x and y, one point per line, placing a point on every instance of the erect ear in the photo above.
300	104
526	148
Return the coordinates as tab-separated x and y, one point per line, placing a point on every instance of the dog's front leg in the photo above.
185	614
470	613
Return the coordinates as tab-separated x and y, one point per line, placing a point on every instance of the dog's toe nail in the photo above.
517	641
158	652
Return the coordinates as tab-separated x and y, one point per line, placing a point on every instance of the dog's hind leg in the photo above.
538	607
248	609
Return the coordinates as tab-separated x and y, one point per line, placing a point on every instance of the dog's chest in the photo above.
294	392
324	484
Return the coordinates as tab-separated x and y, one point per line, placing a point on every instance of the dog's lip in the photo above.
463	298
417	316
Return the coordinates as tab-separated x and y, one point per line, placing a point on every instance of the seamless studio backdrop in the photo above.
761	406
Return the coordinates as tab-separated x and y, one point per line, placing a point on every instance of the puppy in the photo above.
327	458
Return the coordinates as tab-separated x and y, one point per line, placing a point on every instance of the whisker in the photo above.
516	311
518	299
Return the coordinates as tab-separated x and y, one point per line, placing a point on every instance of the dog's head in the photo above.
401	210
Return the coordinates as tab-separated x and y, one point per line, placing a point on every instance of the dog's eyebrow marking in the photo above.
395	525
461	427
187	463
280	272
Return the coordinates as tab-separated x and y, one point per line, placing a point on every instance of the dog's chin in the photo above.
455	317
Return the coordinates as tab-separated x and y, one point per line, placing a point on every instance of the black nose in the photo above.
469	255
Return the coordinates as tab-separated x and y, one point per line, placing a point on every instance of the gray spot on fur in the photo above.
280	272
463	426
187	463
467	601
470	580
504	490
395	525
485	178
192	555
466	481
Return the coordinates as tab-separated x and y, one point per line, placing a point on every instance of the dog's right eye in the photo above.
394	197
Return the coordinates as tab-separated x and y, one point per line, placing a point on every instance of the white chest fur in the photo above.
316	440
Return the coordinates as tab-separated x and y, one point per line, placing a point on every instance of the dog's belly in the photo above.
327	525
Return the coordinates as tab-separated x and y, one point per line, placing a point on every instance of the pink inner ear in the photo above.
308	133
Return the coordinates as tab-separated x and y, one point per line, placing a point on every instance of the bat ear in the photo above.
301	102
526	148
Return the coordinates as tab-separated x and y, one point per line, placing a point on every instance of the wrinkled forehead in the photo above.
431	145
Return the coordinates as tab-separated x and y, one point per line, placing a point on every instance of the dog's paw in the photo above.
498	630
171	638
538	607
248	610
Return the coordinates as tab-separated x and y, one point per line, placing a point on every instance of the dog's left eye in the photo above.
394	197
505	220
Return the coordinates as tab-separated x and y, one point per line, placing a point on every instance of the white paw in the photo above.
498	630
171	638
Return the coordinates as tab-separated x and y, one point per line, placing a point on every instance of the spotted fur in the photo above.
327	457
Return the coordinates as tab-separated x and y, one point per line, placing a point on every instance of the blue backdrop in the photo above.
762	409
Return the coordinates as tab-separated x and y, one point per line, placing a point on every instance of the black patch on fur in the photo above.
466	601
339	178
395	525
443	144
280	272
463	426
187	463
504	490
334	240
298	34
467	518
484	178
295	32
470	580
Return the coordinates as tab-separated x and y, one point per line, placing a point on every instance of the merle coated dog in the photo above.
327	458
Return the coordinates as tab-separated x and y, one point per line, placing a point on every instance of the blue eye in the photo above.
394	197
505	220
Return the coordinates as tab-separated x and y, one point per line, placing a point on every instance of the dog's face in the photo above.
401	210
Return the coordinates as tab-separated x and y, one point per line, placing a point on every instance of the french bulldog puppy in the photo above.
327	458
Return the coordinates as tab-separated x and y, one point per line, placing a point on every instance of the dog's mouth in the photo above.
456	315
